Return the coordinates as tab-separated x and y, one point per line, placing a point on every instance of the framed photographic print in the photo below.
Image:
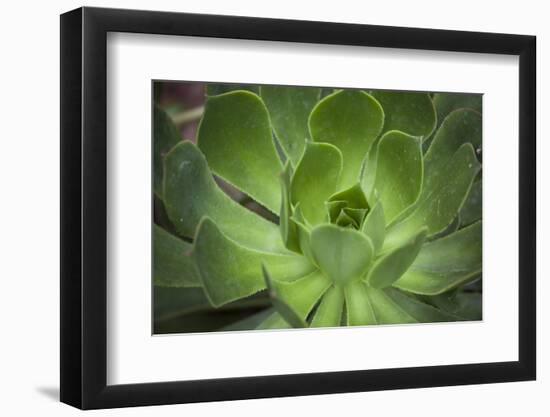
257	208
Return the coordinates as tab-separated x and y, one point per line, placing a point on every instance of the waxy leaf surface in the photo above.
235	136
351	121
229	271
172	266
315	179
190	193
344	255
289	109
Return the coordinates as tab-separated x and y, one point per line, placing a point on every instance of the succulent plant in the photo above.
373	202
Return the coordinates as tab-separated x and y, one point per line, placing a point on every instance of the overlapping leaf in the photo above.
191	193
351	121
229	271
237	123
405	232
444	263
289	108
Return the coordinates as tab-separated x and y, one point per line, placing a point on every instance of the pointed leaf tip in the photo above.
391	266
343	254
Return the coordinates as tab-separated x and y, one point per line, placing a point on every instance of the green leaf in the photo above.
421	312
386	310
184	310
343	254
345	220
289	229
358	306
451	228
460	127
304	236
172	266
250	322
274	321
329	312
356	214
390	267
466	305
165	137
229	271
315	179
445	263
294	300
471	211
399	172
368	169
445	103
350	120
440	201
374	226
191	193
173	302
289	108
235	137
409	112
353	196
334	208
160	217
214	89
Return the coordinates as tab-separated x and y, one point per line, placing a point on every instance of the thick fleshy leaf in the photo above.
184	310
358	306
214	89
294	300
390	267
356	214
445	263
289	108
386	310
280	305
368	170
440	201
249	323
160	217
460	127
450	229
343	254
191	193
409	112
289	229
471	211
303	230
351	121
334	208
344	220
466	305
329	312
445	103
315	179
374	226
172	266
399	172
421	312
353	196
169	303
165	137
229	271
235	136
274	321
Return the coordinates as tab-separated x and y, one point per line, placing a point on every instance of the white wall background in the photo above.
29	225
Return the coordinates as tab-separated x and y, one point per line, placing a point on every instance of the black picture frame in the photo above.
84	207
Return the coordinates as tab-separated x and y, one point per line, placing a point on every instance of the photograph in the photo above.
279	207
